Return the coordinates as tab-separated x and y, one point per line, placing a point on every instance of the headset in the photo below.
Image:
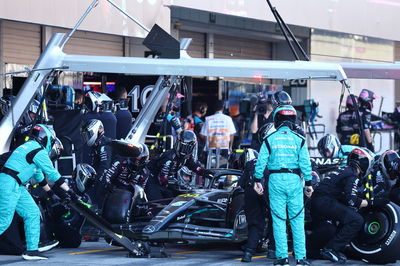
203	109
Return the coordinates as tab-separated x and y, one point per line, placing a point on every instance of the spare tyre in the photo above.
379	239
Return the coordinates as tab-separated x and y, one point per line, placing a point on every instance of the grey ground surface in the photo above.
100	253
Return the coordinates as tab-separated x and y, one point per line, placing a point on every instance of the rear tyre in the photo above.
379	239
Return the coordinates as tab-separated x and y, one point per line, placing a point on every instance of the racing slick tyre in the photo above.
235	216
379	239
117	206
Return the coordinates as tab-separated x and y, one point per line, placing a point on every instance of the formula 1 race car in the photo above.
212	213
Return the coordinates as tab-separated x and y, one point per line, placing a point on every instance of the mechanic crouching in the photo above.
30	161
255	206
163	181
286	155
336	198
92	132
127	172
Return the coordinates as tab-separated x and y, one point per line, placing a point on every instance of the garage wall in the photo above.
91	43
237	48
21	42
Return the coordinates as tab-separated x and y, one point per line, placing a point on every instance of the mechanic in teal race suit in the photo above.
29	160
285	154
329	146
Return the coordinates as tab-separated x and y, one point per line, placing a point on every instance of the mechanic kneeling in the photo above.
30	160
163	181
125	173
336	199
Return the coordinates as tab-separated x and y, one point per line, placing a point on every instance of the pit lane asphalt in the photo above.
100	253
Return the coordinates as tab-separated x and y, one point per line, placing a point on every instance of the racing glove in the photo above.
208	173
51	196
65	195
175	123
379	202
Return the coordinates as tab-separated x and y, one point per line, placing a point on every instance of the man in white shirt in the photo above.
218	130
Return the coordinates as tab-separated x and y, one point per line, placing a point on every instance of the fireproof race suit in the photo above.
100	155
30	160
121	174
164	171
346	124
336	198
344	152
286	155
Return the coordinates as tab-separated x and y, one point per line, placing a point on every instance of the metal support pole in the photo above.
88	10
129	16
274	12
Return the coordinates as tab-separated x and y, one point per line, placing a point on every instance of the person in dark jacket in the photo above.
123	114
255	208
366	100
92	132
128	172
347	121
163	182
336	198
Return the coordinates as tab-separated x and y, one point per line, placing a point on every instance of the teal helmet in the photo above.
284	114
45	136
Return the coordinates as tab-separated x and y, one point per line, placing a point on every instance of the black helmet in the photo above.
349	101
284	114
92	131
56	150
247	156
45	136
185	143
282	98
361	158
140	161
330	145
265	130
366	98
389	163
83	177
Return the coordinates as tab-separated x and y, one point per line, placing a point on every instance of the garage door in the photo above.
238	48
21	42
90	43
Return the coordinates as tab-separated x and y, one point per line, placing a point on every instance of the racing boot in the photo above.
48	246
334	256
282	262
33	255
248	254
302	262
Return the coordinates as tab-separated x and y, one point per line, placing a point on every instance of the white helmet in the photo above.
330	145
91	131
